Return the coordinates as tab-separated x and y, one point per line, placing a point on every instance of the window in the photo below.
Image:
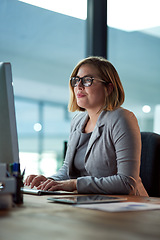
134	49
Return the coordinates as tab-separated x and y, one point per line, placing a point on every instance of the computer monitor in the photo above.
9	151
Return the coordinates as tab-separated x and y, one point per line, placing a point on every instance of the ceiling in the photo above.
44	46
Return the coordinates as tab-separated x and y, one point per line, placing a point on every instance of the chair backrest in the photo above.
150	163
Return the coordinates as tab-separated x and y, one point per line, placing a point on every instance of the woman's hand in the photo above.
35	180
52	185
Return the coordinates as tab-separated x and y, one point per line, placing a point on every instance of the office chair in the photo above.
150	163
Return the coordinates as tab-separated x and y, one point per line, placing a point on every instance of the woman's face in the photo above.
90	98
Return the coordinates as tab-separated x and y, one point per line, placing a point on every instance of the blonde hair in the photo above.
108	73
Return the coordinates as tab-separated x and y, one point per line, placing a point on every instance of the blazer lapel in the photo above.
93	138
72	147
74	142
96	133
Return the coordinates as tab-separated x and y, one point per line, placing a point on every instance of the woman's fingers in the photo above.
56	187
47	184
52	185
37	180
34	180
29	179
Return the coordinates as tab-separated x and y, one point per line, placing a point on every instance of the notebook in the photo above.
87	199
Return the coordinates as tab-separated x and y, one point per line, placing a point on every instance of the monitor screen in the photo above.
9	152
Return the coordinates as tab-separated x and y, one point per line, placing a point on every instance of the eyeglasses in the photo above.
86	81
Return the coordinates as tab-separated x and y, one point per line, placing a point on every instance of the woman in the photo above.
104	148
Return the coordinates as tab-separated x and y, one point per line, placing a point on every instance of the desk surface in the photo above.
39	219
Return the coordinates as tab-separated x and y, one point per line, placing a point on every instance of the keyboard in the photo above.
34	191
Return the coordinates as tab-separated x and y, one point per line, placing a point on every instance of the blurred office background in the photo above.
43	47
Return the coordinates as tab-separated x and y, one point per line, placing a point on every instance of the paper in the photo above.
120	207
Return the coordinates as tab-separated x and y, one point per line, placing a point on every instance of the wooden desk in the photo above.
39	219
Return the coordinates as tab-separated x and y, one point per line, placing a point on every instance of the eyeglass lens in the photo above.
86	81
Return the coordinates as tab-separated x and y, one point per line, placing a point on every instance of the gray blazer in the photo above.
112	159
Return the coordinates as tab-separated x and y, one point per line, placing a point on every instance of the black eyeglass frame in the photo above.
82	81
